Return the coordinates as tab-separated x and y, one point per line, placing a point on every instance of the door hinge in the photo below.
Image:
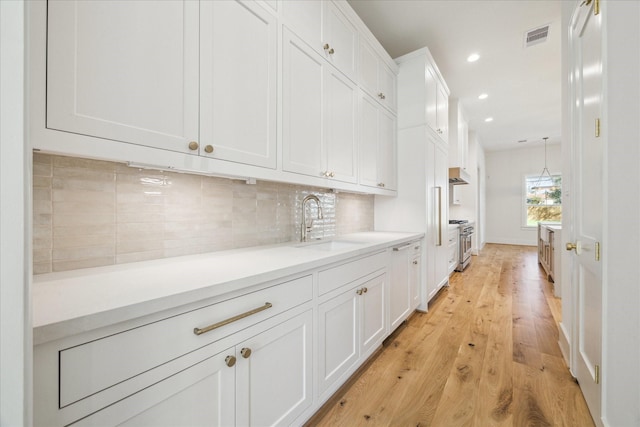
597	128
596	7
597	378
597	251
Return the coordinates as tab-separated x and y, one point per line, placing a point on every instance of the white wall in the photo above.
15	326
469	194
505	172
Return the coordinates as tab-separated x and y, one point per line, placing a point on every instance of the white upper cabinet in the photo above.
442	114
304	18
378	161
375	77
302	107
326	30
124	71
425	95
319	108
238	66
340	139
340	40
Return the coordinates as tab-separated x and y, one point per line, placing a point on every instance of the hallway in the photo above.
485	354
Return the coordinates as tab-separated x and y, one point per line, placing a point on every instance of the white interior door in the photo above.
587	169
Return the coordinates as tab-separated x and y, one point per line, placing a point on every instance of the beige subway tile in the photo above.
64	195
42	170
42	267
84	241
42	255
96	220
83	163
139	245
77	264
74	230
42	158
82	252
139	256
42	182
79	208
83	185
42	207
140	217
44	220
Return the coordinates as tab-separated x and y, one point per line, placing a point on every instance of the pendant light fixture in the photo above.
541	184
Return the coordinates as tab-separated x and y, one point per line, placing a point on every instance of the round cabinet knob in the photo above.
331	51
326	46
332	174
359	292
208	149
245	352
365	290
193	146
230	361
415	262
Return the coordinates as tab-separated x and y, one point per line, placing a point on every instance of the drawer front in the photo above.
97	365
335	277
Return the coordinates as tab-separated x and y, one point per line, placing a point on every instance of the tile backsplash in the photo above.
89	213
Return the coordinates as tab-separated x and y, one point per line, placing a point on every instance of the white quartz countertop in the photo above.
71	302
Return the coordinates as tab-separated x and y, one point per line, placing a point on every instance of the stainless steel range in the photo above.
464	244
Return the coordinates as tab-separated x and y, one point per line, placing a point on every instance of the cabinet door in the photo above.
341	126
387	153
442	115
387	86
368	68
125	71
302	108
238	65
338	338
274	380
414	281
368	142
372	314
340	41
399	288
304	18
202	395
431	86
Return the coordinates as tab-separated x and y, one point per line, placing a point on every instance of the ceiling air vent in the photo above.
536	36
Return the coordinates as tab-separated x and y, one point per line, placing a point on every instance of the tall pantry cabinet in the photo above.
422	200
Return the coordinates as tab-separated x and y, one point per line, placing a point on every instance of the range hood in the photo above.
458	176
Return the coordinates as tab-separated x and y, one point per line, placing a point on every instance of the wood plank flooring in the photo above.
485	354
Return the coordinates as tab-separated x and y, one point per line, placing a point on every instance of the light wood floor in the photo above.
485	354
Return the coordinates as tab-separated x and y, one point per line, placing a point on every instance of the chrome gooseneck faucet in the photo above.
306	228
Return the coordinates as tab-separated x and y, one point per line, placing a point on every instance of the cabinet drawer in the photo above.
100	364
335	277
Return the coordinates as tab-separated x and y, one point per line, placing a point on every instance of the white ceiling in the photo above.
523	84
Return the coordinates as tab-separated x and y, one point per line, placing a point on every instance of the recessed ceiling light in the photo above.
473	57
483	96
488	119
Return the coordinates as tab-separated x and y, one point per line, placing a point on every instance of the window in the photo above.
543	199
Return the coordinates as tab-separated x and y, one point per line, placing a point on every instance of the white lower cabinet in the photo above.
266	356
350	326
404	294
266	379
258	343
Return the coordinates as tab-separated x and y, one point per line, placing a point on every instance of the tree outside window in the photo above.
543	199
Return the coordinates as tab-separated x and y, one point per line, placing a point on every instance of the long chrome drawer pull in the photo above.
199	331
